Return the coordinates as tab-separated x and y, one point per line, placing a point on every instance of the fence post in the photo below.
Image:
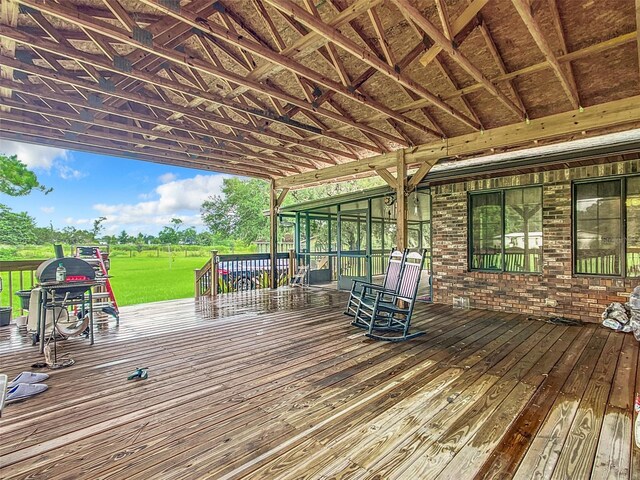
214	273
197	285
292	264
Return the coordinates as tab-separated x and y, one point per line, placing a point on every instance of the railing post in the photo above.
197	283
292	265
214	273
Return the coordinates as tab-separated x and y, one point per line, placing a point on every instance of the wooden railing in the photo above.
17	275
513	261
232	273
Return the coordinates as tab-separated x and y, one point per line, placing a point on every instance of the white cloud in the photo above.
68	173
39	157
174	199
48	209
77	221
167	177
43	158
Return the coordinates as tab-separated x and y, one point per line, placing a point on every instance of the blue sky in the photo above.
135	196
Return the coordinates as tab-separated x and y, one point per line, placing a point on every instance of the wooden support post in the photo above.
273	235
214	273
292	264
197	283
638	28
401	200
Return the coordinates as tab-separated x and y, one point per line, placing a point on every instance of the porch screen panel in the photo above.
598	228
633	227
486	231
523	230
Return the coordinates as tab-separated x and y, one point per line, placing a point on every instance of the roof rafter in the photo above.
493	50
524	10
444	19
121	14
457	56
557	23
74	119
312	41
581	53
128	142
99	62
8	16
27	134
172	109
377	27
457	26
353	48
284	61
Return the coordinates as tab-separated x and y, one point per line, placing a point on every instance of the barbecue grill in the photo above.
78	271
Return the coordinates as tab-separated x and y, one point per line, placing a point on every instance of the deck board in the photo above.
278	384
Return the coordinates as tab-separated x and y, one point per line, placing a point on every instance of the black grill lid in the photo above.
46	272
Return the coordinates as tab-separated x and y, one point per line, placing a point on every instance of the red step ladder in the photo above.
104	299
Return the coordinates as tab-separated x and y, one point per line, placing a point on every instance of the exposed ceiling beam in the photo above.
444	19
493	50
354	49
126	129
557	23
312	41
638	31
171	108
457	26
597	117
596	48
78	18
384	45
26	126
79	104
524	10
8	16
282	60
121	14
100	62
446	45
25	134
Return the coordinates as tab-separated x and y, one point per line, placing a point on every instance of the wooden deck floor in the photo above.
279	385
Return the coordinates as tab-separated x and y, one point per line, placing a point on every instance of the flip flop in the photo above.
28	377
141	373
22	391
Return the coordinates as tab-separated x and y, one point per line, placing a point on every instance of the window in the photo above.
607	227
505	231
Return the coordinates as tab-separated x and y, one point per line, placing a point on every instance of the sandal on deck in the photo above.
28	377
22	391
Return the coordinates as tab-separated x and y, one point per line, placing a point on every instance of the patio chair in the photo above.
391	282
390	311
300	277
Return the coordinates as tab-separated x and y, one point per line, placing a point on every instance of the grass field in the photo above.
138	279
142	280
140	273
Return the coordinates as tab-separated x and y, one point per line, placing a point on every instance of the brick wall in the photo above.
554	292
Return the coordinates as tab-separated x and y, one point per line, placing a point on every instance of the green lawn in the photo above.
138	279
140	273
148	279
